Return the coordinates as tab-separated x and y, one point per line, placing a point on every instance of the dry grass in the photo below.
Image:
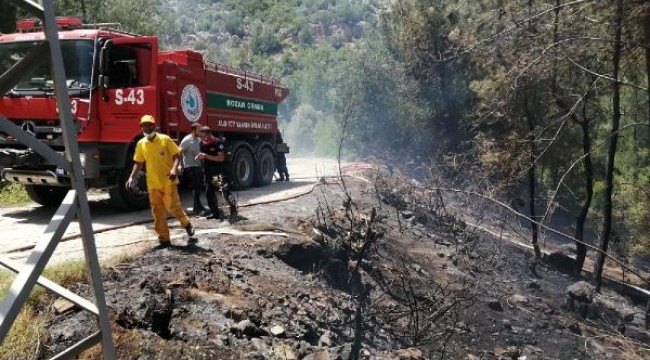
5	281
26	338
29	330
13	195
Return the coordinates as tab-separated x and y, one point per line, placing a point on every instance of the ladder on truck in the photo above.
170	100
229	70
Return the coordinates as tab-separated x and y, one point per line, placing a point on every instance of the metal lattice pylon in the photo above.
75	203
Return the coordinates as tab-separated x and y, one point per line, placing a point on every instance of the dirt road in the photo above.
22	227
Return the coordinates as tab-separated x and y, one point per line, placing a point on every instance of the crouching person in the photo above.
211	148
224	188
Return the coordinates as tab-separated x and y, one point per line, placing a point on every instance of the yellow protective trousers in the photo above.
166	201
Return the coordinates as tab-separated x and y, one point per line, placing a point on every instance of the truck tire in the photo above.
48	196
241	171
127	199
264	167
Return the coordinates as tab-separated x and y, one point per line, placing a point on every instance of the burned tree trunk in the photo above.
581	249
646	32
647	316
531	178
611	151
360	288
531	197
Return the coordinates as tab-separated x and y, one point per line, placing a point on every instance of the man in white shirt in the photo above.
190	148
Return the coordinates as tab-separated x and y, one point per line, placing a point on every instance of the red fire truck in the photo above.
113	78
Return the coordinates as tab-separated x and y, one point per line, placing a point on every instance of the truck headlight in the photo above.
82	158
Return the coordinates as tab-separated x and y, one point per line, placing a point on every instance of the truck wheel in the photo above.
264	168
130	199
48	196
242	169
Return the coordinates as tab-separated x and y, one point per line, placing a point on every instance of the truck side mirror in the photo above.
104	69
104	53
104	81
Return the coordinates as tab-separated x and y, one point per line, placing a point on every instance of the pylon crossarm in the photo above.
24	283
78	348
53	287
33	143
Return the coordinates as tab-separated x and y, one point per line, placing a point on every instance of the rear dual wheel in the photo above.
241	171
245	171
265	167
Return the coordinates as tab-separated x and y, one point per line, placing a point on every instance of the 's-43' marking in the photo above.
134	97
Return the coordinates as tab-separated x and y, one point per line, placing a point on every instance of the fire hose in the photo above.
323	180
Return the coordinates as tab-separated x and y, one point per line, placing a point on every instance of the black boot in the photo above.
189	229
199	210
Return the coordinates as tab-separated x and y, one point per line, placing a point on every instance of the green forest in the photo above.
546	102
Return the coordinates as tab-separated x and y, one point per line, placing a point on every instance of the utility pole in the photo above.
74	205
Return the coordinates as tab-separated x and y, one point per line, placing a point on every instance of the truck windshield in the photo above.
77	59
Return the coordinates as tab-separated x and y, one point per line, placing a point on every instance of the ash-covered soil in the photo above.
386	273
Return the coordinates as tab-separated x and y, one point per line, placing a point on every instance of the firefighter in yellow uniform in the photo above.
161	156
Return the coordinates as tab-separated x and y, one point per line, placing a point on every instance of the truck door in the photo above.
127	80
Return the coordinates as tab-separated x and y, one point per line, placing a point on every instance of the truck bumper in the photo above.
28	177
29	168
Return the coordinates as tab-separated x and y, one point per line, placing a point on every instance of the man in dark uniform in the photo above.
211	149
280	159
281	165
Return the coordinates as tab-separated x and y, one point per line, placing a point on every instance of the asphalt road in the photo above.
22	227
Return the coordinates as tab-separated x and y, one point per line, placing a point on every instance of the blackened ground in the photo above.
435	290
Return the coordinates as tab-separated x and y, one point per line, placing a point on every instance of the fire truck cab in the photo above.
113	79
